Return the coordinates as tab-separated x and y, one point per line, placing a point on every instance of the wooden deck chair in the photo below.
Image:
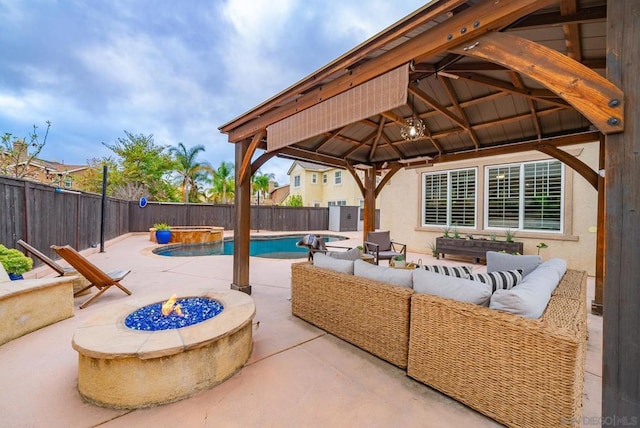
96	277
382	247
62	270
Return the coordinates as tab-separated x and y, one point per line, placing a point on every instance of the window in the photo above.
449	198
336	203
296	181
325	178
337	177
525	196
314	178
68	182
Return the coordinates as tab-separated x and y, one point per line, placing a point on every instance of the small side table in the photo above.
367	258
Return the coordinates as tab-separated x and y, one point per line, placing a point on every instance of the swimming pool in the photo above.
272	247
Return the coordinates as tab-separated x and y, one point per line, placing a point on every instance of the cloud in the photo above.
177	70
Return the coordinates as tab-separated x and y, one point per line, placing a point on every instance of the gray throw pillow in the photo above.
352	254
559	265
497	262
451	287
531	297
401	277
323	261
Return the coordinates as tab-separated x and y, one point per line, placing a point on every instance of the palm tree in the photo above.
260	183
217	194
223	180
190	171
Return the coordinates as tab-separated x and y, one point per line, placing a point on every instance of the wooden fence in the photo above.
43	216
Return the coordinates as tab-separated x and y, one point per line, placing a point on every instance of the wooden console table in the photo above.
476	248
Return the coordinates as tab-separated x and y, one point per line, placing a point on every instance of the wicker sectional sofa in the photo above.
521	372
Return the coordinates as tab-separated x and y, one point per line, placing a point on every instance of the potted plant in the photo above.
434	249
163	232
541	246
15	263
398	261
509	235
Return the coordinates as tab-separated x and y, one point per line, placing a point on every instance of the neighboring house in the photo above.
322	186
533	195
43	171
278	195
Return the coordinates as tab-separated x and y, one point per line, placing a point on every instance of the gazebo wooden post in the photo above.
369	201
242	227
596	304
621	318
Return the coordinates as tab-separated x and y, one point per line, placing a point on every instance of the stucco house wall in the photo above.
401	205
321	192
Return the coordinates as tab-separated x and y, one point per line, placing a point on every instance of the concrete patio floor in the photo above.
297	375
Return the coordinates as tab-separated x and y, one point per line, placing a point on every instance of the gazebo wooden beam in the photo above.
245	167
393	168
437	106
576	164
356	178
299	154
545	20
543	95
567	140
594	96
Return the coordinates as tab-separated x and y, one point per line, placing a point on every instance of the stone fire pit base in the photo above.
128	369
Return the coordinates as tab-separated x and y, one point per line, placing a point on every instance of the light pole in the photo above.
258	214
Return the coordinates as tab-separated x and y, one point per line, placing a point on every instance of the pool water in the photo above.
273	247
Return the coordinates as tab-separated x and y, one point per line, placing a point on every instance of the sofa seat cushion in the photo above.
459	271
401	277
327	262
451	287
497	262
530	298
503	280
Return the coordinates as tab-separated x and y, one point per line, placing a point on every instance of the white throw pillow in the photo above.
503	280
401	277
451	287
323	261
459	271
497	262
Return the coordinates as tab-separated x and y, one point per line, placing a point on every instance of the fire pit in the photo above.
125	367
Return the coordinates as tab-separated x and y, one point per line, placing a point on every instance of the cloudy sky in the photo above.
174	69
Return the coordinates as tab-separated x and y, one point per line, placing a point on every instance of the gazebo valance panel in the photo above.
381	94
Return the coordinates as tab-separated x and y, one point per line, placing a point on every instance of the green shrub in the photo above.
14	261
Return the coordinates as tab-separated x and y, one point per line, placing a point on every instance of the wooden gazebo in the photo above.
486	77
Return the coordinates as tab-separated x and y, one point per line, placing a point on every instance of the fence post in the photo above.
104	206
